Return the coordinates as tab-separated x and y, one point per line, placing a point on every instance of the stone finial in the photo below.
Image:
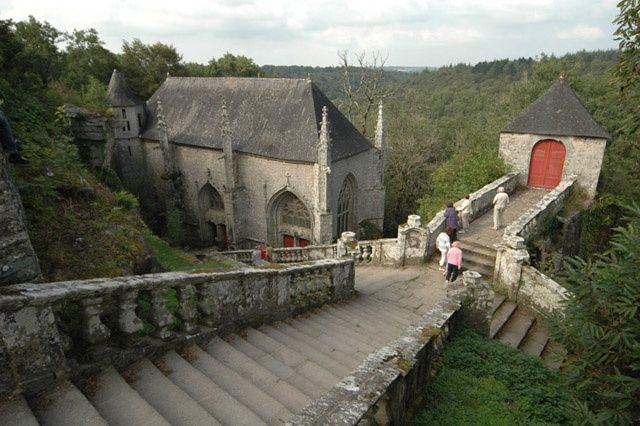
325	139
226	130
160	113
379	137
414	221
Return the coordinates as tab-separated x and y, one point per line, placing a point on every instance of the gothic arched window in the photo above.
346	214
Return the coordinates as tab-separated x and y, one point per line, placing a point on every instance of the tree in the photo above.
85	58
600	329
231	65
146	65
362	86
38	59
628	68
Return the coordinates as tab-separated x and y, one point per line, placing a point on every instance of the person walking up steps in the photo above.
451	217
465	211
500	202
454	262
443	242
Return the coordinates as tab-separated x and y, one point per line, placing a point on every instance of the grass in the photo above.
174	259
483	382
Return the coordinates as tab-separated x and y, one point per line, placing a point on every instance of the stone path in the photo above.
482	231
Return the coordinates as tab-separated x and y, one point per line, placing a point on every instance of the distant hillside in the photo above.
329	79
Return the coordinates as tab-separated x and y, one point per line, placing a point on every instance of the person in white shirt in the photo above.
465	211
500	202
443	242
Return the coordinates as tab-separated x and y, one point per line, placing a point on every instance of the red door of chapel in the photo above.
547	162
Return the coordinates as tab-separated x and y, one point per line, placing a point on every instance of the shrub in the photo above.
127	200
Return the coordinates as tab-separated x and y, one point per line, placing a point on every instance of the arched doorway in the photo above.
346	213
290	221
213	229
547	162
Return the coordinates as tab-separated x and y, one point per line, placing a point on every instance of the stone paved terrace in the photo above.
482	231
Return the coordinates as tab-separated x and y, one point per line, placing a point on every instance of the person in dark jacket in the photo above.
451	221
8	142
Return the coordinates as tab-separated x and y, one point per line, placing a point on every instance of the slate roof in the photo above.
558	112
119	92
271	117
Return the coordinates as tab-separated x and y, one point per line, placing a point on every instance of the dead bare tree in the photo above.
362	85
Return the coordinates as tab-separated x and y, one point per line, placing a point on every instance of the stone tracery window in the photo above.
294	213
346	214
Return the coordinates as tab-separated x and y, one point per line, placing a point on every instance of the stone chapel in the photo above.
553	138
248	160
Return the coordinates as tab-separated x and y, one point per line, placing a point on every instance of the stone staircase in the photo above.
262	375
519	328
478	257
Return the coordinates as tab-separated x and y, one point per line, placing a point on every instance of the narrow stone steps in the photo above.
343	328
536	340
332	341
367	323
501	316
175	405
206	393
497	301
377	316
118	403
329	357
480	249
277	367
516	328
259	376
549	355
16	412
387	311
267	408
65	405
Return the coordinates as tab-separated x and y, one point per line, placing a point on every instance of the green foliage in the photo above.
174	259
127	200
174	226
627	70
600	328
146	66
86	60
486	383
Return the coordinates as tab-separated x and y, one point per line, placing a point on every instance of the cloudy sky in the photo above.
310	32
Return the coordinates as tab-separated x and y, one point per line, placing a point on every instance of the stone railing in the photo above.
385	387
512	273
481	202
529	223
68	328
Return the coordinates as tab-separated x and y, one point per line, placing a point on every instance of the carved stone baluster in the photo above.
161	318
367	253
206	305
187	308
127	319
93	330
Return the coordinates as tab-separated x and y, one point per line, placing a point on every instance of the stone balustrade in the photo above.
46	329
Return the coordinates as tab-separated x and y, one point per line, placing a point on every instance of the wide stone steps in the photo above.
478	258
519	328
256	376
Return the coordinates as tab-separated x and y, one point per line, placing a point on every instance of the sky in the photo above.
311	32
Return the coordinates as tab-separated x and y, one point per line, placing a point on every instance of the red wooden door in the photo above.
547	162
288	240
303	242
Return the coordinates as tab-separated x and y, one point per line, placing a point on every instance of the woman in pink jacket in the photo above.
454	262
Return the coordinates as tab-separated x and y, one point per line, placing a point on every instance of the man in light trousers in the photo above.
500	202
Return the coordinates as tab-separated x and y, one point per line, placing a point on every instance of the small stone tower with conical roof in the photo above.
553	138
129	110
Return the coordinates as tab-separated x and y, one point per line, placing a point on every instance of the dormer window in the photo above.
124	113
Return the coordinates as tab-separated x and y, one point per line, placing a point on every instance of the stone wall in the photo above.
539	291
384	388
529	223
18	261
512	271
583	156
54	330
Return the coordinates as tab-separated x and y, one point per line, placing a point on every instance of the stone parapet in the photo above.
54	330
540	292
